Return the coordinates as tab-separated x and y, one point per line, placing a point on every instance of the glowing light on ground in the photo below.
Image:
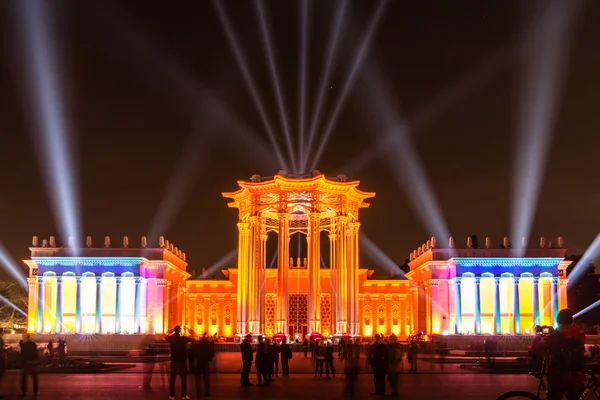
544	56
363	50
10	266
243	66
45	96
330	54
266	39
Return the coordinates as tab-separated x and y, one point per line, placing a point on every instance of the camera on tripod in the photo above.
543	330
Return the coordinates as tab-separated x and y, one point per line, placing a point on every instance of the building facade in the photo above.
147	290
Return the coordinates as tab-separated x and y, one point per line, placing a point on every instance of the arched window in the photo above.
200	315
213	314
381	315
368	315
227	314
395	315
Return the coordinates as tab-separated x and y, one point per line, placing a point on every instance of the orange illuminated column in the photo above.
314	278
262	280
253	234
342	281
32	305
355	327
333	318
562	293
282	273
242	284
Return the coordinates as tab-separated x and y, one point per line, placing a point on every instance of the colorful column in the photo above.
283	263
262	281
477	307
354	228
242	283
40	305
516	308
458	307
99	305
118	306
497	315
138	304
554	298
58	328
333	318
78	324
314	276
535	302
342	263
254	270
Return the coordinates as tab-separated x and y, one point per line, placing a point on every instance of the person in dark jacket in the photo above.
179	358
273	359
262	362
247	358
329	359
305	347
286	353
201	354
29	361
351	357
378	359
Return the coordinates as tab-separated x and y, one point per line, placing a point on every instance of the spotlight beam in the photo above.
377	255
331	52
302	79
349	83
229	257
592	253
12	305
52	139
274	73
243	66
545	56
588	308
11	267
401	153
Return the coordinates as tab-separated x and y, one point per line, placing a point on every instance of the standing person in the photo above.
29	361
178	344
395	355
352	354
565	355
286	356
319	354
262	362
2	358
247	357
329	360
413	356
305	347
202	353
61	350
378	357
51	350
274	359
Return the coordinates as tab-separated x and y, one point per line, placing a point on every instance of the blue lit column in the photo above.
536	302
516	308
40	305
58	304
99	305
497	315
78	306
138	304
458	307
477	307
118	306
554	298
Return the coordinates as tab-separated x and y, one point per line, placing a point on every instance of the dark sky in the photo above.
144	86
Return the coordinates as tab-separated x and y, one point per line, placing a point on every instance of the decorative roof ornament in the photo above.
167	245
433	242
161	242
411	256
542	242
419	251
144	242
44	243
70	242
106	241
488	242
255	178
428	245
172	248
469	242
125	241
451	242
505	242
561	242
52	241
415	254
35	241
183	256
524	242
88	241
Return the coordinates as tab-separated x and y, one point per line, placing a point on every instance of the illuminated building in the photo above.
147	290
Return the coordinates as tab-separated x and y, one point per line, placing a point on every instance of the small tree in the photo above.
17	295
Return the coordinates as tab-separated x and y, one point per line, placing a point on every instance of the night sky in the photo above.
157	107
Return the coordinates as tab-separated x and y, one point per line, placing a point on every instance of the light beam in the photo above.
302	78
330	52
592	253
11	267
544	55
377	255
349	83
243	66
45	97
